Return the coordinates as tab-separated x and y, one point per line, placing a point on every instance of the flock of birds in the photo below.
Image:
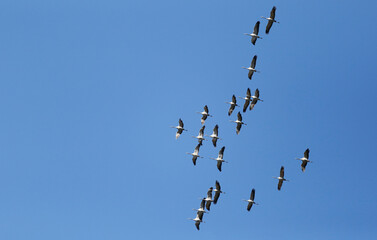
250	102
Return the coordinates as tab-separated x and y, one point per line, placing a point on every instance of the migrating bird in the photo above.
195	154
217	191
251	200
220	159
201	209
205	114
233	104
200	135
304	160
254	35
252	67
281	178
255	99
209	198
215	135
271	20
179	128
247	99
197	220
239	122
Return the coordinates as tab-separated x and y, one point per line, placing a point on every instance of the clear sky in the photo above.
88	90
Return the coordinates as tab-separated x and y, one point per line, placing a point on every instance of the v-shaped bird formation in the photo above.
250	102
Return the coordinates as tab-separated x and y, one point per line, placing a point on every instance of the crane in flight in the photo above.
195	154
217	191
179	128
220	159
247	99
254	36
239	123
250	200
205	114
255	99
271	20
233	104
252	67
281	178
304	159
200	136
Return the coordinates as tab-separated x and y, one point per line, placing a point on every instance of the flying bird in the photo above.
200	136
239	122
201	210
195	154
233	104
254	35
179	128
281	178
215	135
205	114
252	67
198	219
220	159
271	20
247	99
217	191
304	160
255	99
209	199
251	200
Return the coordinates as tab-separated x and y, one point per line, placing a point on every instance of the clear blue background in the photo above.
88	90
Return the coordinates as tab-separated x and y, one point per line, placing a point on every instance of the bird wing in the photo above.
256	93
216	130
231	109
252	194
253	40
214	141
256	28
204	117
247	102
268	27
197	149
194	158
254	62
221	152
250	74
239	116
206	109
272	13
306	153
238	128
209	193
218	187
303	165
248	93
208	205
282	172
219	163
216	197
178	134
234	100
249	206
280	184
201	131
197	225
199	215
203	203
180	123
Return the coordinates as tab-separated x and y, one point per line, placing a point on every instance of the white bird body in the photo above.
281	178
252	69
195	154
250	200
200	136
233	104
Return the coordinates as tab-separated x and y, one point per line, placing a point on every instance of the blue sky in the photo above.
88	90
